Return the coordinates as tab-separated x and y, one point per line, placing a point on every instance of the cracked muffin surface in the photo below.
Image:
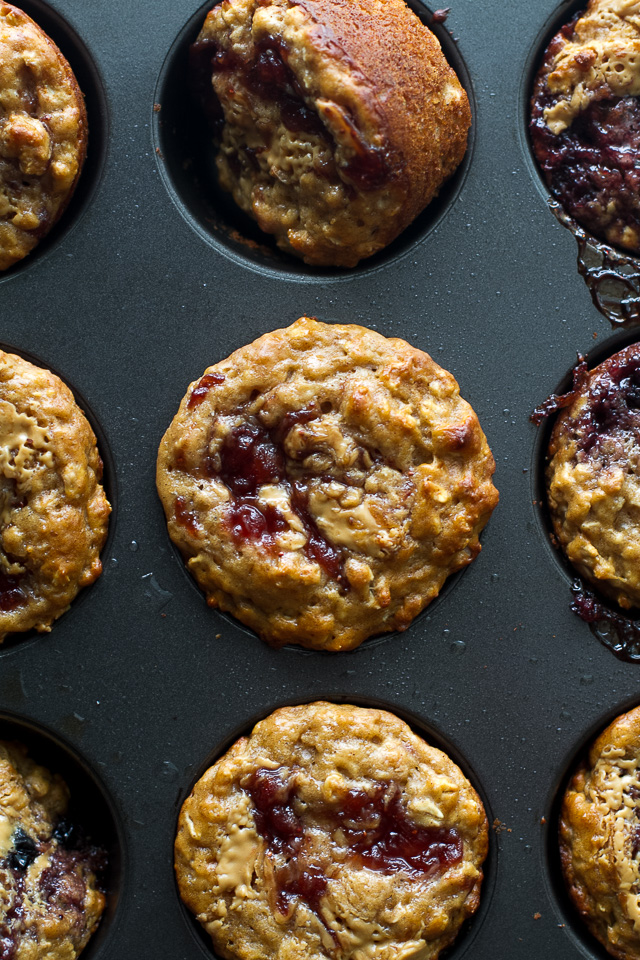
337	120
593	478
331	831
323	482
53	510
50	899
585	125
599	830
43	134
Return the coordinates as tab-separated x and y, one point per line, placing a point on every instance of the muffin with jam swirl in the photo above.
323	482
593	477
335	123
332	832
585	120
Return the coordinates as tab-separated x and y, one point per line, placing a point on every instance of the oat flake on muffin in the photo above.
331	831
323	482
53	509
337	120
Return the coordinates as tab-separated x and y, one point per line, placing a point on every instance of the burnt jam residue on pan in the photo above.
558	401
612	277
379	835
594	162
268	77
620	634
251	457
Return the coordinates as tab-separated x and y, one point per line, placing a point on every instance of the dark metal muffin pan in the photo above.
139	686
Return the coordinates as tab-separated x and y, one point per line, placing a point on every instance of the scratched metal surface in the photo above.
129	301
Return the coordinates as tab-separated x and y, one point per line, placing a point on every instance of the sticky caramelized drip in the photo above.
620	634
251	457
378	832
558	401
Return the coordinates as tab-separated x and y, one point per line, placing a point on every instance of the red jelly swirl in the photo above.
251	457
379	835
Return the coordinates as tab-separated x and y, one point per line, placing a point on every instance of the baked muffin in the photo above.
43	134
337	122
599	837
331	831
323	482
50	900
594	480
585	123
53	510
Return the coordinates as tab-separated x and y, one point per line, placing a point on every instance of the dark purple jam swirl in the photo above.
592	167
613	403
378	832
251	457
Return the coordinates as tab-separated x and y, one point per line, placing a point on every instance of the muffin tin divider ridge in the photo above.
145	683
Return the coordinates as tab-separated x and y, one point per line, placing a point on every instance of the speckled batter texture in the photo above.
50	901
53	510
300	878
338	120
599	832
43	134
586	120
594	481
323	482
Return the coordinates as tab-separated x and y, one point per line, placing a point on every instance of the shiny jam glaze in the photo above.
281	828
378	832
185	517
203	387
251	457
384	838
594	164
11	594
614	402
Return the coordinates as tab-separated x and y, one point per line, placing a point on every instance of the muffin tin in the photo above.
151	277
